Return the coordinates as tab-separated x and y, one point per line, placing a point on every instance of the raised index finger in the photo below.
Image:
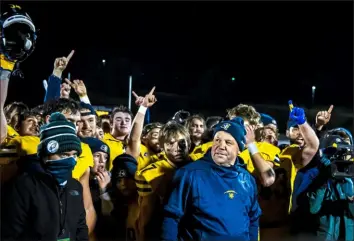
330	109
152	90
135	95
70	55
68	81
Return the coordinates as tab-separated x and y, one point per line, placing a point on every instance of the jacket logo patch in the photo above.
230	193
74	193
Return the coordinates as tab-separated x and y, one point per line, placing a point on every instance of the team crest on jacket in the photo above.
225	126
230	193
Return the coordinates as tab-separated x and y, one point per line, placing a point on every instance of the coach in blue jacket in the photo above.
214	198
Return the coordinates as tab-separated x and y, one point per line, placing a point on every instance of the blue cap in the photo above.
84	105
267	119
96	145
124	165
234	127
291	123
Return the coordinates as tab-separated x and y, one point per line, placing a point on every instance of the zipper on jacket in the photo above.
61	221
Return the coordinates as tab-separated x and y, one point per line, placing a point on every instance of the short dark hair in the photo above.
149	127
24	115
123	109
38	109
59	105
211	121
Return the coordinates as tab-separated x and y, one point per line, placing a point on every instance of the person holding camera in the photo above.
331	194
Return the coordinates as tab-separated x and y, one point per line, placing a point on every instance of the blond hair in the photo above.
171	130
246	112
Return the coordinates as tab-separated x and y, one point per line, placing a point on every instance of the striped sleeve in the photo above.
143	187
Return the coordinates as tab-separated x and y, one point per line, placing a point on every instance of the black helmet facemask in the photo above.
18	34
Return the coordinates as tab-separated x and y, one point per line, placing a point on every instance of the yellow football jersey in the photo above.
155	178
291	161
146	157
11	133
26	145
132	221
116	148
199	151
268	196
152	183
8	157
84	161
268	151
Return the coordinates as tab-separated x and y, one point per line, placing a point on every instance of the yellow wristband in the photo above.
6	64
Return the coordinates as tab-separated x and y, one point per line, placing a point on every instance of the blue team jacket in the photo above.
210	202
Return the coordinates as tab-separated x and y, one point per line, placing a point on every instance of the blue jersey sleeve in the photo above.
147	117
53	90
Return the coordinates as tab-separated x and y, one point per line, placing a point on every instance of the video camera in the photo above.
341	155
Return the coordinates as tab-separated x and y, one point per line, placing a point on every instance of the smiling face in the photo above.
29	127
295	136
225	149
87	127
122	122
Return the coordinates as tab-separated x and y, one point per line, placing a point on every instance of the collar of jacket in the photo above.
223	171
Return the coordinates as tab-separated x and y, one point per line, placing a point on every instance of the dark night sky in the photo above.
275	50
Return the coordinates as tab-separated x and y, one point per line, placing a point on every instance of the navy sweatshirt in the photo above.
210	202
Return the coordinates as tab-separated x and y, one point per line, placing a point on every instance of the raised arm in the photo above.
134	141
312	143
263	167
80	89
54	82
6	68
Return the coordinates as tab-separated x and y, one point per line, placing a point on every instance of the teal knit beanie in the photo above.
58	136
